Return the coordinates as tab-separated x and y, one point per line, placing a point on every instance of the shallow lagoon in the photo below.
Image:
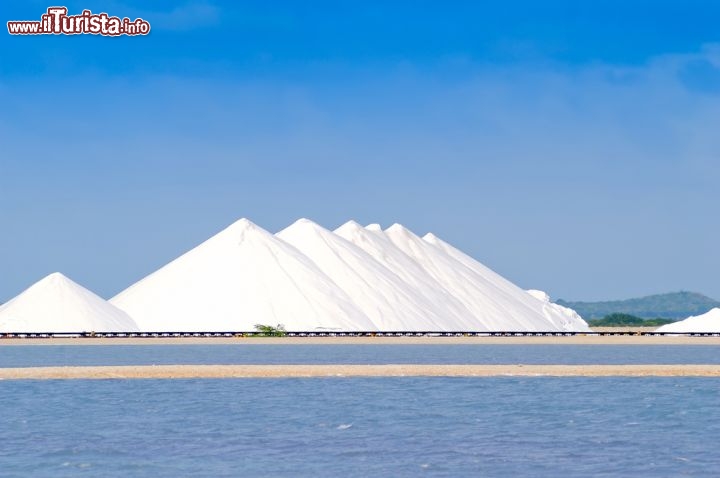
395	427
47	355
361	427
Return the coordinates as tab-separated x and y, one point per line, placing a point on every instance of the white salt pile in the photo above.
565	317
390	302
57	304
562	318
307	279
241	277
708	322
496	304
456	315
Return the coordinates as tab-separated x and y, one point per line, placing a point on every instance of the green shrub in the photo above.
270	331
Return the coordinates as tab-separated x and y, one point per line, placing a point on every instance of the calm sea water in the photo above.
361	427
28	356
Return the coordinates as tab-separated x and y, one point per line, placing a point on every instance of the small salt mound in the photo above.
708	322
57	304
388	301
568	318
539	295
238	278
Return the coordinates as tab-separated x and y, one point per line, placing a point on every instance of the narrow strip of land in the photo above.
288	371
545	340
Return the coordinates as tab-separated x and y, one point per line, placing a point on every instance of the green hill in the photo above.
674	305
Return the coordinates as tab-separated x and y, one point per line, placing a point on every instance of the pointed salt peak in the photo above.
351	225
400	229
431	238
58	278
395	227
55	277
241	228
374	227
243	224
303	221
303	224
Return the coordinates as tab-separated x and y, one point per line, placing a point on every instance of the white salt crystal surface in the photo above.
57	304
390	302
562	318
708	322
495	305
305	278
455	315
238	278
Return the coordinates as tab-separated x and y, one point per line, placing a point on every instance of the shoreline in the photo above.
484	340
340	371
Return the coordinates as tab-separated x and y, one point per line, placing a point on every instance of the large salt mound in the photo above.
708	322
494	306
391	303
57	304
238	278
455	315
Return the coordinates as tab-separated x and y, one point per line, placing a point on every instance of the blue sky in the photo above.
571	146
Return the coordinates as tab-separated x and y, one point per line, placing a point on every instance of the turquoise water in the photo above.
41	355
360	427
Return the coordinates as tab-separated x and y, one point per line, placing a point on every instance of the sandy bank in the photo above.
281	371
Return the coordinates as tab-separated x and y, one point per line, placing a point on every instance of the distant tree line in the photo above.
627	320
674	305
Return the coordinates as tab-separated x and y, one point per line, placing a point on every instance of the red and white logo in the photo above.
57	22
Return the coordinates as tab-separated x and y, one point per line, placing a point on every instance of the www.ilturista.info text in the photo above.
57	22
